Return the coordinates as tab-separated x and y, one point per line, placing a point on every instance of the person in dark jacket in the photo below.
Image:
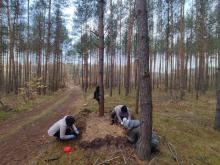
96	94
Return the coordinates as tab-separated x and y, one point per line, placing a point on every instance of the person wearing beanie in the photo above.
129	124
134	130
118	113
64	129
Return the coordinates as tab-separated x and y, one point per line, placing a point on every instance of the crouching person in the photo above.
118	113
64	129
133	133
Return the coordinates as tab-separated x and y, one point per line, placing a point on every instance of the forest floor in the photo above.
185	129
24	135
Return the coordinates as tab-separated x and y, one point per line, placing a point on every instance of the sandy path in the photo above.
23	137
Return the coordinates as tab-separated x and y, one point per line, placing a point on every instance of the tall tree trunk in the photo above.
138	88
86	69
182	52
167	46
143	145
1	52
11	51
101	54
28	46
129	44
90	68
111	49
191	51
200	43
82	73
217	115
120	54
171	47
48	46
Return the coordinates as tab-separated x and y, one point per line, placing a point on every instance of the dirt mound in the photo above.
81	118
100	127
108	140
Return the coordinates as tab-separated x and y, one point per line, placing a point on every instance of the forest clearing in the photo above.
97	82
186	125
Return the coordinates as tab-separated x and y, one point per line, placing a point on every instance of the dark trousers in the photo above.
68	132
115	118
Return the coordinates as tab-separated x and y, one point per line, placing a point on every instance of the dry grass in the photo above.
187	125
18	104
100	127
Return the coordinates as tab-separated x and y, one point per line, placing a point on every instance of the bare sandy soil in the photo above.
100	127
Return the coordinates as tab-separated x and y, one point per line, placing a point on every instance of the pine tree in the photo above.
143	144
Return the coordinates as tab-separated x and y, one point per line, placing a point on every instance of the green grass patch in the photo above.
187	124
18	104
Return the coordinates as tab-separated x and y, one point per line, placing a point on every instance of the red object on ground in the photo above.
67	149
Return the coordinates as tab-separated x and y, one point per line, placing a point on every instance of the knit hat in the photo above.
70	121
124	109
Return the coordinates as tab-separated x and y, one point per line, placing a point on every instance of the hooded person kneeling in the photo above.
133	133
118	113
64	129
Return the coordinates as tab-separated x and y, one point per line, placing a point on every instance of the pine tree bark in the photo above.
120	54
138	88
48	46
86	68
143	148
101	54
182	52
11	52
129	44
1	51
27	69
200	43
167	46
217	115
111	49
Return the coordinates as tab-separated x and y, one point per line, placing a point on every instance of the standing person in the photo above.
120	112
64	129
97	94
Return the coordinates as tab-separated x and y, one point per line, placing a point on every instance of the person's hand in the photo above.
77	132
72	137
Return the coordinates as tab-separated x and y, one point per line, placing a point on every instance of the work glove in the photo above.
72	136
77	132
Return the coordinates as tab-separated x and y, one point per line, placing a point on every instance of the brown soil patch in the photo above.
25	143
108	140
100	127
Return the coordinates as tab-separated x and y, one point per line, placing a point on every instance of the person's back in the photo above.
134	131
64	128
130	124
96	94
57	126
